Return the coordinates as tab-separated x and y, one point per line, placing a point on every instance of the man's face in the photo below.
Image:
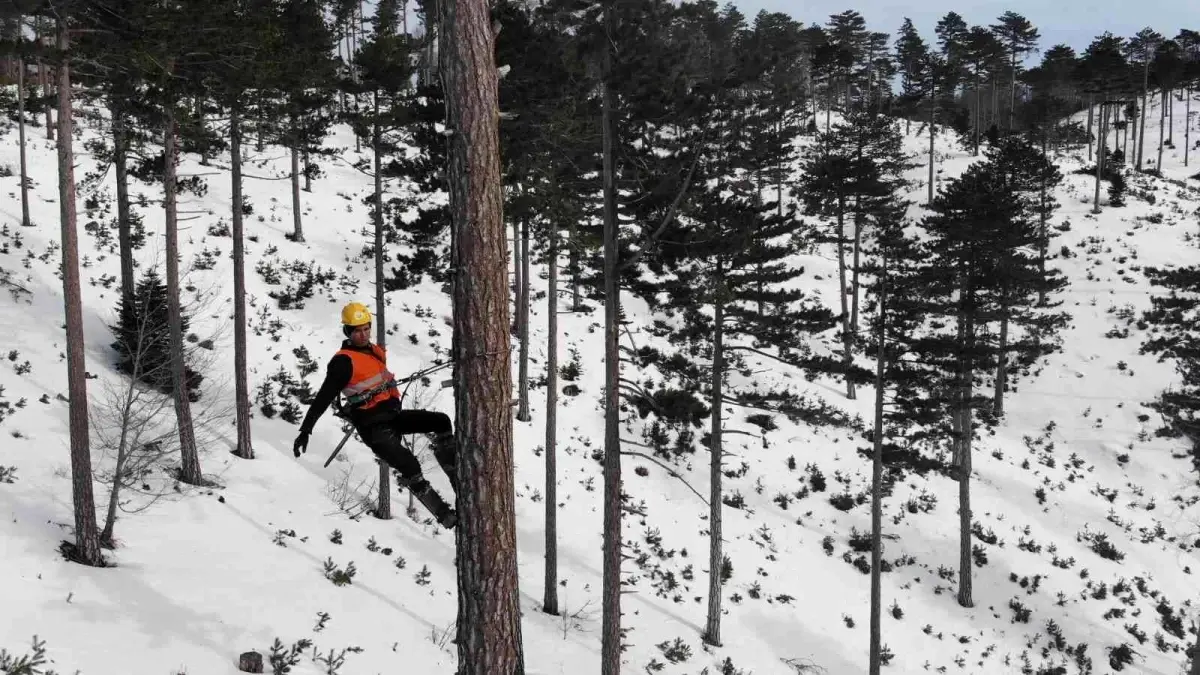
361	336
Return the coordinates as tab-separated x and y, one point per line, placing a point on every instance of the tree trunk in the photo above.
716	560
932	134
978	114
1043	237
189	472
1162	122
574	267
87	544
110	519
297	227
1142	117
489	612
964	470
120	168
244	448
1001	366
1091	115
1169	100
854	276
877	485
1100	157
25	221
550	597
517	271
610	634
1187	127
847	336
523	311
304	161
44	78
1012	98
383	509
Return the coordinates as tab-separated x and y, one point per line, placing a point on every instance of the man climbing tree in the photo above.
359	373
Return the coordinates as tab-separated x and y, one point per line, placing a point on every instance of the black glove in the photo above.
301	444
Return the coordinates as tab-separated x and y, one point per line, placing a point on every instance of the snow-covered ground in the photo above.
202	575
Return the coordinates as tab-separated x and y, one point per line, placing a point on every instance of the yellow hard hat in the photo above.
355	314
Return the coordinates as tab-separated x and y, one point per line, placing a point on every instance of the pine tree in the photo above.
143	339
911	56
1019	37
1142	48
305	79
859	163
1174	317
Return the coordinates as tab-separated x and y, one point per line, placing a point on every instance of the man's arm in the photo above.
337	376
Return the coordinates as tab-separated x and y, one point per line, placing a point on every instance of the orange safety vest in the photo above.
370	381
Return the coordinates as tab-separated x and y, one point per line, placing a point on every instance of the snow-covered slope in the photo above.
202	575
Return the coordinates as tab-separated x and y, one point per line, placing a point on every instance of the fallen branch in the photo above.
669	470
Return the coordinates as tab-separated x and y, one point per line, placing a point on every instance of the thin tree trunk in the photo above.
854	275
1100	157
1169	100
189	472
610	633
1043	239
1142	118
523	310
550	596
44	76
297	227
383	509
574	267
25	221
489	611
110	518
244	448
1162	122
1012	97
877	486
304	161
978	115
964	471
847	337
87	543
120	168
517	270
1091	114
932	135
1187	127
716	560
1001	366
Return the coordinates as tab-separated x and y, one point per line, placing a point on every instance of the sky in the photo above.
1073	22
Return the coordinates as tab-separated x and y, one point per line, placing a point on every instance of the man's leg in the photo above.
438	424
386	442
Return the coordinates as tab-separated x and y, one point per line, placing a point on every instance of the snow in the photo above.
203	574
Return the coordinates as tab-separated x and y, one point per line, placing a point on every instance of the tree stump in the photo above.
250	662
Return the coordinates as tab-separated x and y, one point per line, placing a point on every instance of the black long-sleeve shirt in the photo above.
337	376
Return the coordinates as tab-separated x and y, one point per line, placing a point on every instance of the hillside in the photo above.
202	575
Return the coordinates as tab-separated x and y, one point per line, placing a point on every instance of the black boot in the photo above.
424	492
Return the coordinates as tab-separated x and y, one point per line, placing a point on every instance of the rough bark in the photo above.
297	225
383	510
489	623
877	487
966	380
121	171
25	221
712	628
189	471
523	332
244	448
610	632
550	597
87	541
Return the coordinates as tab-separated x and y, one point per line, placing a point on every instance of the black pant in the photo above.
385	438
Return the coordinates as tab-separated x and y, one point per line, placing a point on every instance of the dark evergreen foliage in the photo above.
142	339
